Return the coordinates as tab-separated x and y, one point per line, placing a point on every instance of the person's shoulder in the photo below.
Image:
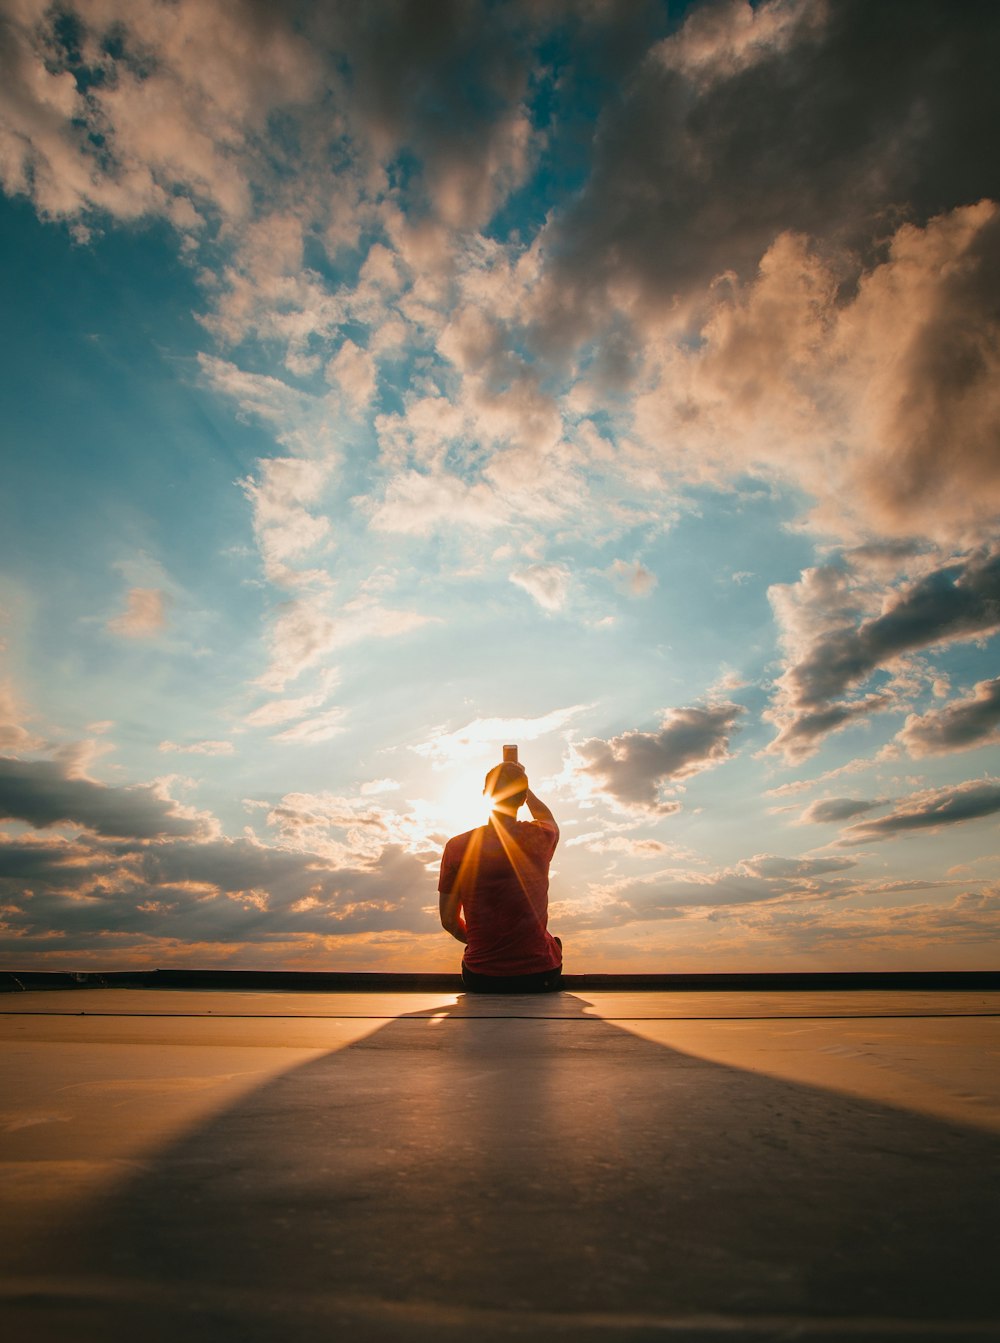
463	840
540	829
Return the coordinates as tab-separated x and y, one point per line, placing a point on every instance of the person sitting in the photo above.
494	889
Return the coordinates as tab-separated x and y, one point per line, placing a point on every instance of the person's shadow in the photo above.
474	1173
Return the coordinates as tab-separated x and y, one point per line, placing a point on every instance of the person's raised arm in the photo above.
539	811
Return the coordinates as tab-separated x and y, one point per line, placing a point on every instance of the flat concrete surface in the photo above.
608	1166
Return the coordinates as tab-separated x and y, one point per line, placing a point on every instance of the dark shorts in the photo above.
548	981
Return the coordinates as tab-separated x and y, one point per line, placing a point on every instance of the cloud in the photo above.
198	747
157	105
848	932
447	85
45	793
634	580
955	601
304	631
145	614
483	737
286	529
831	810
14	736
960	726
547	583
762	879
631	848
633	767
930	810
219	891
353	370
319	728
278	711
695	171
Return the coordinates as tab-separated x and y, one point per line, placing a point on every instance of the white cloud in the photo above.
483	737
547	583
319	728
353	371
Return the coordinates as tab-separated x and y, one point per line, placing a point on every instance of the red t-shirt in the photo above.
501	873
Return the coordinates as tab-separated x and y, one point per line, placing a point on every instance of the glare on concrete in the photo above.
410	1166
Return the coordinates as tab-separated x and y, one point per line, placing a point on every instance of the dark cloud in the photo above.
830	810
43	794
771	865
798	737
958	600
960	726
632	767
930	810
837	117
450	84
955	601
221	890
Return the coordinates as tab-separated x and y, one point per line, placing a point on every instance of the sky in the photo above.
383	383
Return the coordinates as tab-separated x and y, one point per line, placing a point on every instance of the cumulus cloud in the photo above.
447	84
48	792
353	371
686	136
122	107
145	614
961	726
633	767
930	810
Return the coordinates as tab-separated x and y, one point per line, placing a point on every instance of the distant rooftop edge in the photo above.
351	981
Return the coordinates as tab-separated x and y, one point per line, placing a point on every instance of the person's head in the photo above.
507	787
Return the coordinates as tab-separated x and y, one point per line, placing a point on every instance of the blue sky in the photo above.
381	384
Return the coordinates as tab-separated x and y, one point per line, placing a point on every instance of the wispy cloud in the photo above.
547	583
930	810
481	737
198	747
145	614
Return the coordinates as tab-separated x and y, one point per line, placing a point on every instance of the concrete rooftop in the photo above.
592	1166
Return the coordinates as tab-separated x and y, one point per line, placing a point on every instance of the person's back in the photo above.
497	877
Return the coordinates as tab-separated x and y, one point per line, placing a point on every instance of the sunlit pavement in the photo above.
601	1166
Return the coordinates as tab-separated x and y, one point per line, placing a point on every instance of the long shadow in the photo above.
453	1177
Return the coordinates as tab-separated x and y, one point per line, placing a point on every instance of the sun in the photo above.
459	805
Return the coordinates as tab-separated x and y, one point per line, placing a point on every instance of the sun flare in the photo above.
460	804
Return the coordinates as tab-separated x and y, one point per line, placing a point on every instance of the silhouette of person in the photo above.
494	889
